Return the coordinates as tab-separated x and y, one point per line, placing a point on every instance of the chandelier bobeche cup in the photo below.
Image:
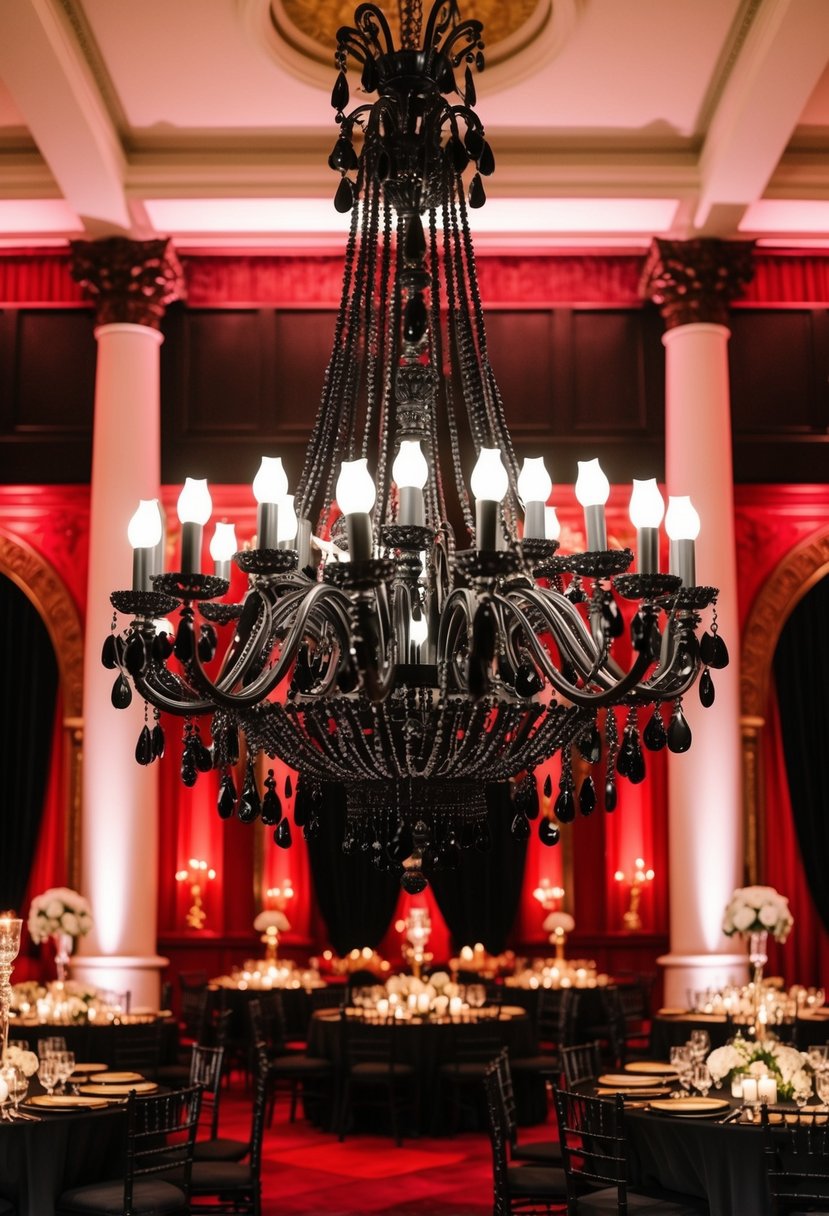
377	654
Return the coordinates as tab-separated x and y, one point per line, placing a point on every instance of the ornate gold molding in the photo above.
693	281
49	595
128	281
796	574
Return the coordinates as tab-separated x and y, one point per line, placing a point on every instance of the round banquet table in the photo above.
38	1161
90	1041
673	1029
427	1044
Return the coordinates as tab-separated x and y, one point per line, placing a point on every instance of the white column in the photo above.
705	821
120	797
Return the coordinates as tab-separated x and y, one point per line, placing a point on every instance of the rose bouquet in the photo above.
758	910
789	1067
26	1061
59	910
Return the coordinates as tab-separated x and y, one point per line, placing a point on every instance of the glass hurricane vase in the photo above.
63	950
758	954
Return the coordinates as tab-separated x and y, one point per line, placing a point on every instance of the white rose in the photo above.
69	924
721	1061
801	1084
789	1061
439	980
757	1069
743	919
54	909
769	915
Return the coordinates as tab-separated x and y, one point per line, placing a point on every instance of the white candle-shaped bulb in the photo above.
144	533
288	524
222	547
410	472
593	491
418	629
489	484
356	495
552	526
646	510
534	488
194	507
270	486
682	523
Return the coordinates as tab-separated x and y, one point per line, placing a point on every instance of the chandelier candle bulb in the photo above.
194	507
356	495
303	543
410	472
647	508
270	486
682	523
144	534
552	527
222	547
489	484
534	488
287	523
593	491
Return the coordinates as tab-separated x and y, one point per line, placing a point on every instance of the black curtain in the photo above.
801	673
27	709
357	900
479	899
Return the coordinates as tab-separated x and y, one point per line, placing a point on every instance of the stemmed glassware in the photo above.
49	1073
699	1043
822	1086
18	1084
683	1063
702	1079
66	1066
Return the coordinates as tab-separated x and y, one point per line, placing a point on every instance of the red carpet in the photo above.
308	1171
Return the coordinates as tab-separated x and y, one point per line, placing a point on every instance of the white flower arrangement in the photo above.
758	909
58	910
789	1067
559	922
26	1061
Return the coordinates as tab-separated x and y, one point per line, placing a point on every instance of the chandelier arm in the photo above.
364	18
562	619
469	32
443	14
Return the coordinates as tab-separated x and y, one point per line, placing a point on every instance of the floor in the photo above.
308	1171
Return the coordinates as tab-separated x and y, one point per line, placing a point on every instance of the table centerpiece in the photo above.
63	915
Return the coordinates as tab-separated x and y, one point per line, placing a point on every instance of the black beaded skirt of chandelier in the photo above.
415	672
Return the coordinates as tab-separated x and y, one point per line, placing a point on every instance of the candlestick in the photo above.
646	511
489	484
270	485
682	523
356	495
410	472
593	491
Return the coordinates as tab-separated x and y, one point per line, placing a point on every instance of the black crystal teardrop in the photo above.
679	732
121	693
589	744
144	746
565	806
202	756
368	79
415	318
549	833
249	805
623	760
158	741
587	796
414	881
458	153
189	775
614	622
638	632
271	808
109	652
483	839
654	736
162	647
470	95
227	797
289	786
706	689
343	157
548	786
339	93
185	646
486	161
520	827
527	681
526	800
232	745
480	62
207	643
401	844
414	248
477	194
713	651
611	795
312	828
474	142
636	763
135	655
282	834
382	165
344	197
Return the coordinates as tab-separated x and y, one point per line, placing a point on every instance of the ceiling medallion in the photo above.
381	655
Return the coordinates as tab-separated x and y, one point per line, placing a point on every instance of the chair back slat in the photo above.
206	1070
161	1132
581	1062
593	1144
796	1153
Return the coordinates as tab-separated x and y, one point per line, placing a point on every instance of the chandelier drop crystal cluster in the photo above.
377	653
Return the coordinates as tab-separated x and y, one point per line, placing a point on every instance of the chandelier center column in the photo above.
130	283
693	283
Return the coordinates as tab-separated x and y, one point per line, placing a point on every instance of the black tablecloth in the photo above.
429	1044
38	1161
672	1031
91	1042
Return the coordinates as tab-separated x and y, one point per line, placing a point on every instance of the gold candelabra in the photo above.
640	878
197	874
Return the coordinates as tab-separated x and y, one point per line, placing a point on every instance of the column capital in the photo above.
696	280
128	281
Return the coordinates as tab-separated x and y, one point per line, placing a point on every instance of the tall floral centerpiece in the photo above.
63	915
754	913
788	1067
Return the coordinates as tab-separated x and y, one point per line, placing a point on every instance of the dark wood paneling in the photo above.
521	353
775	386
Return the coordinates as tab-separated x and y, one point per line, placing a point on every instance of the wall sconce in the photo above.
558	925
548	895
197	874
639	879
281	896
270	924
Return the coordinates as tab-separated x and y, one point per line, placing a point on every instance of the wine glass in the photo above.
682	1062
822	1086
18	1084
66	1066
48	1074
816	1055
702	1079
700	1042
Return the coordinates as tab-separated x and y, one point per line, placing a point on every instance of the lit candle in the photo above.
534	488
418	633
593	491
222	547
455	1006
489	484
410	472
356	495
423	1002
737	1086
749	1089
270	486
194	507
552	527
682	523
646	510
767	1090
287	523
144	534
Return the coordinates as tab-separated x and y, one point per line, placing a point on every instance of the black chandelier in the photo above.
384	658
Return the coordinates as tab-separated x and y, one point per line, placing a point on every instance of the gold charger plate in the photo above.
66	1102
652	1068
685	1107
627	1080
140	1087
117	1078
660	1092
85	1069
